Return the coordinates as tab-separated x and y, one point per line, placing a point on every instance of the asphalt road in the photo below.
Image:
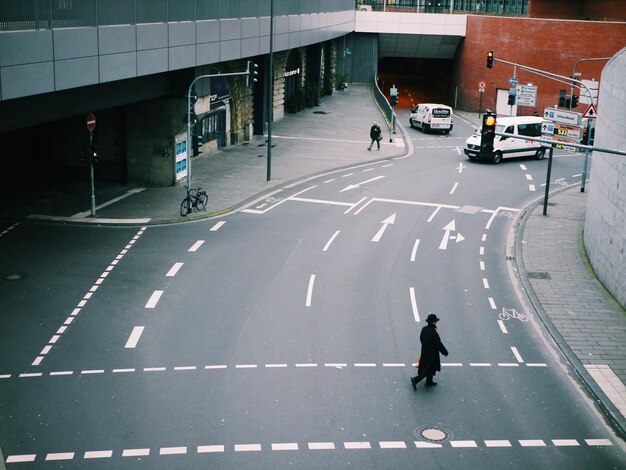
284	335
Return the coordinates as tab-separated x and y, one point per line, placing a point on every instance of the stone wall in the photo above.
605	224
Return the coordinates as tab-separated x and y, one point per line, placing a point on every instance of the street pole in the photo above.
545	199
91	175
270	95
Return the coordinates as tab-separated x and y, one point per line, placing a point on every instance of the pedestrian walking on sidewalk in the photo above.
429	361
375	135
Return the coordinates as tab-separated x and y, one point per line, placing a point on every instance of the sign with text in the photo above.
525	95
562	116
562	131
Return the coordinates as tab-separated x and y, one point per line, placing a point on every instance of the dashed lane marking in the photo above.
321	445
297	365
55	338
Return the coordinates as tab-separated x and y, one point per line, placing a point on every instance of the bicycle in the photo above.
196	198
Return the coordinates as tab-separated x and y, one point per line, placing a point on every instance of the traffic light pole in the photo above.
561	79
189	143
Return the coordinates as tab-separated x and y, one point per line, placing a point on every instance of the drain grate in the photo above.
320	112
15	277
539	275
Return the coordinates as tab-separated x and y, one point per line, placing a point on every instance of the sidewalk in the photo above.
584	320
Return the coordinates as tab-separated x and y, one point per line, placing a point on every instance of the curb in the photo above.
606	407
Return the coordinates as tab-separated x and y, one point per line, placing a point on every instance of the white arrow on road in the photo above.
451	227
353	186
388	221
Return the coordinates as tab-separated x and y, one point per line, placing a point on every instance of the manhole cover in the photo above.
433	434
539	275
14	277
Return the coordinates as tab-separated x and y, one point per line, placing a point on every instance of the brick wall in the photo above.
601	10
549	45
605	222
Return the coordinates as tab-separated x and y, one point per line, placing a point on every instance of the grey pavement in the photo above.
587	324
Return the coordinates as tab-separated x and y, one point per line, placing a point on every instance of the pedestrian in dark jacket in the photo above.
429	363
375	135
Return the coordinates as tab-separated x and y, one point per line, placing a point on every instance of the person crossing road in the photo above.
429	362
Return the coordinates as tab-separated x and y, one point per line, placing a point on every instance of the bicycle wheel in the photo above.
504	316
203	198
185	207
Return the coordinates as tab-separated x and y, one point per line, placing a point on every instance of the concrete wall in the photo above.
605	224
35	62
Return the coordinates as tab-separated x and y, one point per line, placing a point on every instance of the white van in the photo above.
510	146
432	117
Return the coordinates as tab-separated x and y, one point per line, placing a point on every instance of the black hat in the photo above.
432	318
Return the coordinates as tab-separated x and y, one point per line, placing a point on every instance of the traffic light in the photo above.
191	112
253	73
562	99
511	100
574	101
487	133
490	59
197	141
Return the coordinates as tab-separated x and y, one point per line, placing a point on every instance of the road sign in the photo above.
91	122
513	81
562	117
591	112
564	146
482	84
481	90
525	95
572	133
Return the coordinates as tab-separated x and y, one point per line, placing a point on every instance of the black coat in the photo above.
375	132
430	362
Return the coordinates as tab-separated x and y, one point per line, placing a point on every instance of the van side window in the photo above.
531	130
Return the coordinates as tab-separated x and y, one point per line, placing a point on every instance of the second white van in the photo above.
432	117
510	146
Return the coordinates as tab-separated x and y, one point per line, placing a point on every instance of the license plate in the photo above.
439	126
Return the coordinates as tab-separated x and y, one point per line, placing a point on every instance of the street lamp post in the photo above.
270	95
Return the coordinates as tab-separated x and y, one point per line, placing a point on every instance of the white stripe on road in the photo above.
414	251
196	245
492	303
174	269
285	446
531	187
60	456
532	443
247	447
98	454
133	339
485	283
321	445
454	188
309	293
357	445
330	240
154	299
416	314
392	445
210	449
172	450
498	443
502	327
517	355
135	452
217	226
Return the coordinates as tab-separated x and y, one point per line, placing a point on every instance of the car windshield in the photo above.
500	128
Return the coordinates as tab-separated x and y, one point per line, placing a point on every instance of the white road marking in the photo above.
414	251
598	442
358	185
31	374
285	446
154	369
185	368
498	443
122	371
220	366
427	445
523	167
392	444
307	364
321	445
485	283
172	450
463	444
355	204
357	445
37	361
174	269
432	216
87	372
480	364
217	226
330	240
565	442
64	372
196	245
531	187
98	454
516	353
484	237
210	449
529	177
321	201
245	366
481	251
309	293
60	456
502	327
135	452
364	364
461	166
346	175
532	443
453	188
247	447
21	458
274	366
393	364
154	299
416	314
482	265
388	221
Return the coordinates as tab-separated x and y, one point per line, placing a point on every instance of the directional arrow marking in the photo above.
388	221
451	227
354	186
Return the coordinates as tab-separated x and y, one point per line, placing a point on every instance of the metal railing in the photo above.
494	7
385	108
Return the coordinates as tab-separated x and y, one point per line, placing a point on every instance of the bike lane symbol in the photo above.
512	313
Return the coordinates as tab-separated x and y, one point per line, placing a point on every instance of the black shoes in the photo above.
414	382
430	383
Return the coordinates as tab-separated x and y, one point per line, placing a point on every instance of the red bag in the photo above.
417	363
